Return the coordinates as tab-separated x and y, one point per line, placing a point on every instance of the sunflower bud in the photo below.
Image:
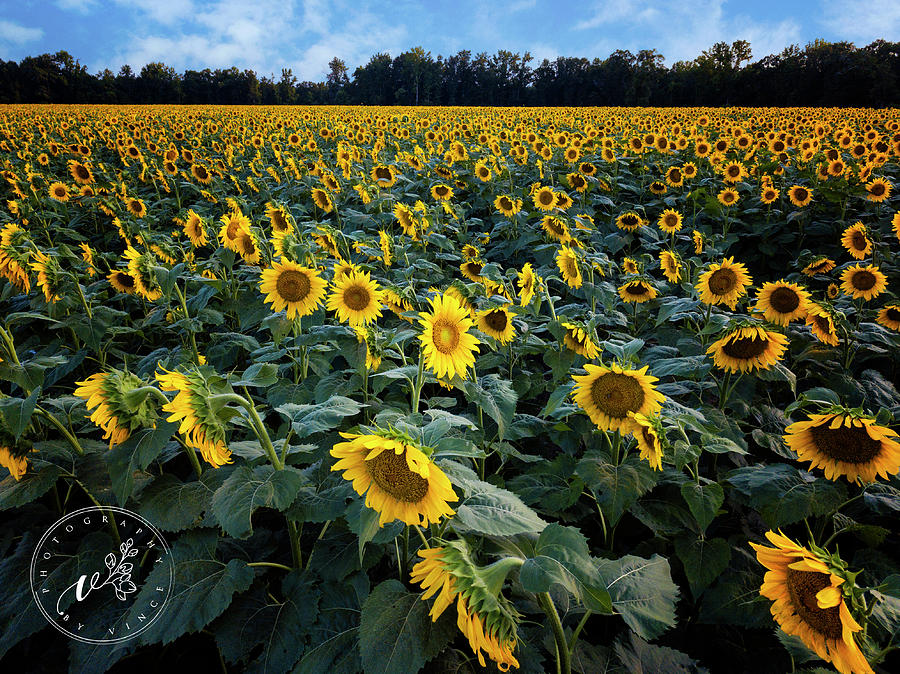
116	408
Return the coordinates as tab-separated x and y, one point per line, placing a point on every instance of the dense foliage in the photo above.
443	388
819	74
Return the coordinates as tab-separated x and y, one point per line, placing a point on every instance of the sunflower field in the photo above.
461	389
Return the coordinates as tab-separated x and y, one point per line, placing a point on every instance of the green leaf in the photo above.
715	444
259	375
641	657
617	487
561	556
203	588
136	454
41	476
704	560
307	420
697	366
556	399
704	501
494	511
248	489
783	495
395	631
335	636
496	397
17	411
173	505
642	592
779	372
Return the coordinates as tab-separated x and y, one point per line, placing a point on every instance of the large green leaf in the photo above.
396	633
17	411
642	592
617	487
136	454
41	476
203	587
173	505
496	397
704	560
494	511
561	556
307	420
248	489
704	501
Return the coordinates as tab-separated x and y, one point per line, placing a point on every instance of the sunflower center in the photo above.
851	444
893	314
571	267
383	173
505	204
722	281
246	244
802	587
745	348
546	198
278	221
232	230
390	471
637	289
125	280
496	320
60	191
82	172
863	280
858	241
445	335
292	285
617	394
877	189
801	194
670	220
629	220
649	438
784	300
357	298
675	175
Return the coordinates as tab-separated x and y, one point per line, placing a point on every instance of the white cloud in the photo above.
862	21
17	34
542	51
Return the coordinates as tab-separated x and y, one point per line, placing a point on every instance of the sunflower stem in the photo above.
274	565
420	382
72	440
184	308
563	665
574	638
294	534
421	535
192	456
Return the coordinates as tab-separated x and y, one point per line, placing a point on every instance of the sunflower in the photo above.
122	281
233	224
407	219
247	247
821	265
88	256
670	221
697	238
322	200
638	292
528	281
356	299
496	323
484	615
809	602
201	174
578	339
647	431
471	269
289	286
728	196
563	201
724	283
80	173
670	265
544	198
141	268
782	302
385	243
889	316
199	425
567	261
879	189
630	266
608	394
845	443
397	478
383	176
768	195
195	229
507	205
856	241
657	187
821	321
441	192
556	228
734	172
482	171
59	192
833	291
105	393
49	275
16	465
895	224
136	207
748	348
863	283
800	196
675	176
577	182
447	345
279	217
629	222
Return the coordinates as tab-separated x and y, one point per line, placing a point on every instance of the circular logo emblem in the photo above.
102	575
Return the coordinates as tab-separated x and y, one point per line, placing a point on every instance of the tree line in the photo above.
821	74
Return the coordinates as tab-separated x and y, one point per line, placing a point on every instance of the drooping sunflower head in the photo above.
407	219
567	262
811	591
322	200
114	410
441	192
356	298
298	290
448	346
748	348
471	269
889	316
279	217
863	283
637	291
141	269
366	335
821	322
13	455
528	283
234	224
670	265
846	443
497	323
556	228
200	425
724	283
195	229
16	250
648	433
629	222
820	265
782	302
49	275
578	338
80	173
396	476
856	240
383	176
697	238
608	394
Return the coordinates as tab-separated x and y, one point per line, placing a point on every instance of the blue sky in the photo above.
266	35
